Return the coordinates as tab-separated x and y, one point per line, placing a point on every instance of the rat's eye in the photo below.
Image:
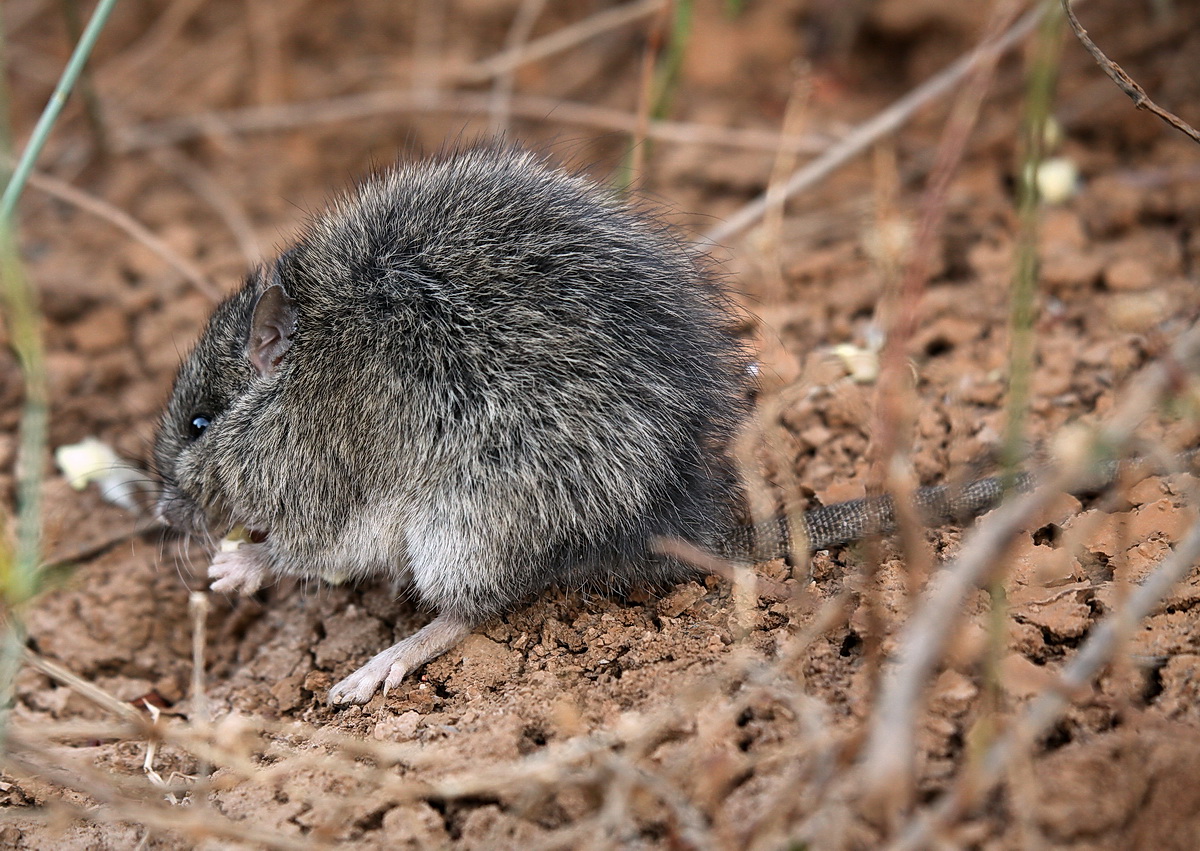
197	426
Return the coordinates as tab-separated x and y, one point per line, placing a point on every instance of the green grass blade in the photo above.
41	132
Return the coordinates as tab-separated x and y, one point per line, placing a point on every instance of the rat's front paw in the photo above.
242	570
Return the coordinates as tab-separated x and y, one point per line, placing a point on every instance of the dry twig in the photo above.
895	400
874	129
890	750
1099	649
122	220
291	116
82	687
891	746
557	42
516	42
120	805
221	201
893	395
1124	82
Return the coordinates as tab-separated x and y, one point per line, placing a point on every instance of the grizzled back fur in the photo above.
501	378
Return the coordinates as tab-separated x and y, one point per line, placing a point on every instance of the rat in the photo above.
480	375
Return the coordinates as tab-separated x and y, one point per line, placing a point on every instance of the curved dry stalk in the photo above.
556	42
291	116
874	129
223	203
125	711
895	405
117	805
224	745
1096	652
891	745
517	42
1124	82
123	221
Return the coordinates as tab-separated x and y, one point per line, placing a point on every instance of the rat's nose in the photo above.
160	511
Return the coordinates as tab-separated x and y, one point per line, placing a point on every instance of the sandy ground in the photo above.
752	705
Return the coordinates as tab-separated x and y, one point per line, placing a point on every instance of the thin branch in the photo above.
895	403
290	116
1124	82
122	220
891	743
90	549
116	806
556	42
517	42
889	755
198	606
126	712
1096	652
222	202
874	129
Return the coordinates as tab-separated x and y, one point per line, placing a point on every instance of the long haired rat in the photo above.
481	375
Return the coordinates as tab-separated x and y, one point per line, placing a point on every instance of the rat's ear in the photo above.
271	329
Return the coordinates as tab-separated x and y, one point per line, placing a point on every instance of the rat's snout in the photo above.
164	509
176	510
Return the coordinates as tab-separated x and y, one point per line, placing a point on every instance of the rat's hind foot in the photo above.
390	667
242	570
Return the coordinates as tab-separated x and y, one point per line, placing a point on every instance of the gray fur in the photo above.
501	378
